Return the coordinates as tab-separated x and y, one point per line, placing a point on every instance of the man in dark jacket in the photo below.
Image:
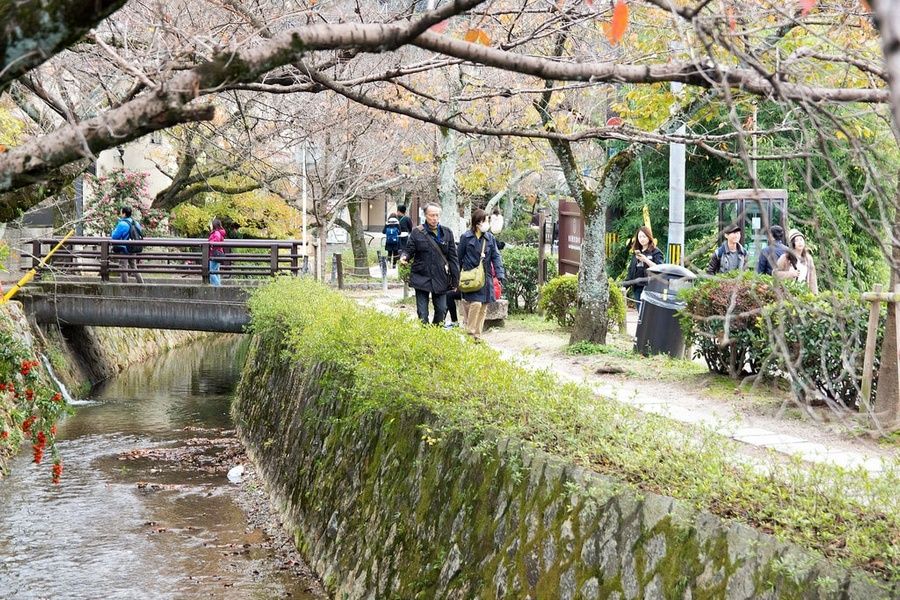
435	266
730	256
406	226
768	258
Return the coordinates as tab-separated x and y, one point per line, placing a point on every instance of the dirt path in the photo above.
650	386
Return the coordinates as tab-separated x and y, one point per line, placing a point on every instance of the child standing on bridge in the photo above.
216	252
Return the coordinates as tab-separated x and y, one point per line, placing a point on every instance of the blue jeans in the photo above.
214	278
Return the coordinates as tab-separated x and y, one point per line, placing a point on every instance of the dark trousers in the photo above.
440	306
452	297
393	252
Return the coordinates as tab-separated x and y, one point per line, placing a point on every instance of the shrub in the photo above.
404	271
721	319
29	409
519	236
821	506
821	341
4	255
559	302
115	191
521	265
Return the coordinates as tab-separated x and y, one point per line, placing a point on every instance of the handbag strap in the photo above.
435	244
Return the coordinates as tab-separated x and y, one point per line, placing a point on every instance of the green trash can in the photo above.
658	331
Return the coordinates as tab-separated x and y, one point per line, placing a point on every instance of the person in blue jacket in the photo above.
477	246
768	258
127	229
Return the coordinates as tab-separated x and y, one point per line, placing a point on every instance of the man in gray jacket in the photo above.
730	256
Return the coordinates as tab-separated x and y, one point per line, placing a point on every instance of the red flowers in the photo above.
4	435
38	447
57	471
27	423
27	365
53	430
29	394
57	397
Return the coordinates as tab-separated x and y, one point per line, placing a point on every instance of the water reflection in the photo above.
99	535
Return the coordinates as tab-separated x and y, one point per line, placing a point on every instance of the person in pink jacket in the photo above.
216	252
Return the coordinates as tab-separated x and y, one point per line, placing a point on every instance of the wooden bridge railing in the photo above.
174	256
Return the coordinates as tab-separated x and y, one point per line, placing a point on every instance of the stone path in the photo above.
812	442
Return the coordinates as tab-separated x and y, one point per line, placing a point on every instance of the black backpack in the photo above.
135	233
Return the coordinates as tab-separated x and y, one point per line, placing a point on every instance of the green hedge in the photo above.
396	365
521	266
519	236
820	341
559	302
721	320
816	341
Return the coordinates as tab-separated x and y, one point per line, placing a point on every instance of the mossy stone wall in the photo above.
389	504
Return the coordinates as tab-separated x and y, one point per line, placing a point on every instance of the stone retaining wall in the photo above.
389	505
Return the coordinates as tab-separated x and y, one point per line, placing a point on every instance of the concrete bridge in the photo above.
148	305
80	284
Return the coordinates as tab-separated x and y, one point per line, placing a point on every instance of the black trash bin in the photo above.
658	331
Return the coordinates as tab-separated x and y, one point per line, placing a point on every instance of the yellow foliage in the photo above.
11	127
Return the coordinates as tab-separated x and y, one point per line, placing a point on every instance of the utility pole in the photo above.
676	190
303	214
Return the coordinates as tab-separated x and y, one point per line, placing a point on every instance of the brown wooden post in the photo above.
36	247
541	257
104	260
869	356
295	259
204	261
273	259
339	267
887	400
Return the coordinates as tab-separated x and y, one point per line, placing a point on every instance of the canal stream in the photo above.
145	509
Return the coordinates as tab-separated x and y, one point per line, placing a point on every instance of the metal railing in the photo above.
184	257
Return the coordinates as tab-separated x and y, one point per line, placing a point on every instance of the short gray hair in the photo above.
431	205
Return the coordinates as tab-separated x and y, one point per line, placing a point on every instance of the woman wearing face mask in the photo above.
477	247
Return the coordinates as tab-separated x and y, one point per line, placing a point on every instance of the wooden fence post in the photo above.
869	356
541	250
104	260
887	399
273	259
339	267
204	261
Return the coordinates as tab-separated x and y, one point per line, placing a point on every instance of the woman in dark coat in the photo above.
477	246
646	254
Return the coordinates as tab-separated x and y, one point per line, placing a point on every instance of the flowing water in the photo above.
144	509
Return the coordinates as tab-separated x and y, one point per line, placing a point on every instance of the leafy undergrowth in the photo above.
845	514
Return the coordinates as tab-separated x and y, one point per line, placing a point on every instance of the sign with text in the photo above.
571	233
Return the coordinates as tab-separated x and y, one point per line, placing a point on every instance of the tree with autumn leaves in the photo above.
546	72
